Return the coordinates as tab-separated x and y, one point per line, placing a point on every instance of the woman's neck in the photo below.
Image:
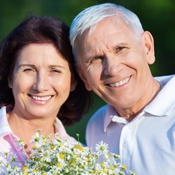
24	129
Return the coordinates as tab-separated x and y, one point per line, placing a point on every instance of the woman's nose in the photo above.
41	83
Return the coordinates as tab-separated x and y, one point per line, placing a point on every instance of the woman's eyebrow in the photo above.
56	66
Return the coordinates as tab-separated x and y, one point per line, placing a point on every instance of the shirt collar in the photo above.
4	125
112	116
164	102
162	105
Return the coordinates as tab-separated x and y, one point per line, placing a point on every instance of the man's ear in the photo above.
148	42
83	76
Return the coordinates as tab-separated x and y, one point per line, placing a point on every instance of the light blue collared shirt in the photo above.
147	143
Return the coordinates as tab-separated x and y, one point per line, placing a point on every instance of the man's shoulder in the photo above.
95	126
164	78
97	119
167	80
99	114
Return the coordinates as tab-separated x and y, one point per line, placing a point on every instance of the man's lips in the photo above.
120	83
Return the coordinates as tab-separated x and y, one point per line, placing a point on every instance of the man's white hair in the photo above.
91	16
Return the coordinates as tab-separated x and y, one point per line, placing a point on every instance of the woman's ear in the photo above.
10	82
73	84
148	42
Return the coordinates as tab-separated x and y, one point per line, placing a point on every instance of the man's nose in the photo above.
112	66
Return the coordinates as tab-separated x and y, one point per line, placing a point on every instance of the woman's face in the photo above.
41	81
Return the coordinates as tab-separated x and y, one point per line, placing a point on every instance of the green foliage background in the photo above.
157	16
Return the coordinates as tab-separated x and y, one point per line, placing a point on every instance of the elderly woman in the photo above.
39	87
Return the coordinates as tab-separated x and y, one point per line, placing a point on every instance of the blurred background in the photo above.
157	16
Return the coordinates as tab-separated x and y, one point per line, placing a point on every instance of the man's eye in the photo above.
97	59
120	48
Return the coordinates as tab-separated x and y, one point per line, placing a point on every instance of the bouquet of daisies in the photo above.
59	157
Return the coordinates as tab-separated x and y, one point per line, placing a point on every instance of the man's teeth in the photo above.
120	83
41	98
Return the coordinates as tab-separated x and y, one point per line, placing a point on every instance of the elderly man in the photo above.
113	54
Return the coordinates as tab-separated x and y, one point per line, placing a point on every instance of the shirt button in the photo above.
124	145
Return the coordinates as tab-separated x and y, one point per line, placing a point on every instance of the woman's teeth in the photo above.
41	98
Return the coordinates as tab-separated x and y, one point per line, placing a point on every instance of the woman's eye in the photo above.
55	71
28	70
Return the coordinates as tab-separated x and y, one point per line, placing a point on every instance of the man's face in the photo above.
113	62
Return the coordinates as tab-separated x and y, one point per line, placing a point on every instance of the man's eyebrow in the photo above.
120	44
